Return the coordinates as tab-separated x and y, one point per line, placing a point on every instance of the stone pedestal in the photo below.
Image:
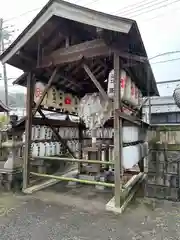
95	153
10	180
11	173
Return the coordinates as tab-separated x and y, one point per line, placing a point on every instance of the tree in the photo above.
5	34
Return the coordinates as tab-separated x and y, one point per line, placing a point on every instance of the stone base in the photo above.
110	206
72	184
87	177
101	179
10	180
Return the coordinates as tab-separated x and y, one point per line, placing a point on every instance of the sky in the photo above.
158	21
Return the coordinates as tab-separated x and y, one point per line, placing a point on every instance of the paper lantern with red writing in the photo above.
39	89
123	79
68	103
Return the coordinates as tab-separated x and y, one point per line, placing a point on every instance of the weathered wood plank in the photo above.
77	52
117	129
28	128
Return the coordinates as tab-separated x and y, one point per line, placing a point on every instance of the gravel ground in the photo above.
48	215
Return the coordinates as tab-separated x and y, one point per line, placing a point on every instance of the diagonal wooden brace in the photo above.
45	91
95	81
59	138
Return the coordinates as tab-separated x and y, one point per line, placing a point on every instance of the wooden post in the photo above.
80	131
28	129
148	90
117	131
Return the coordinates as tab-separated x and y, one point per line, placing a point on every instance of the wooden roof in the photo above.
59	20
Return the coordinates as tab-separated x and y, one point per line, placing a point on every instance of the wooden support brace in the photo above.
59	138
45	91
94	80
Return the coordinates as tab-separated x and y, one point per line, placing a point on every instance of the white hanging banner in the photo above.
94	110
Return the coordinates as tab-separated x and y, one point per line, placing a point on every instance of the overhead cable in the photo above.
157	8
140	7
134	6
21	15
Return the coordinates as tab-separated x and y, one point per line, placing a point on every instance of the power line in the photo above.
9	79
91	2
169	81
35	9
164	54
165	61
25	13
78	1
134	5
158	62
162	6
158	55
158	16
21	15
140	7
94	1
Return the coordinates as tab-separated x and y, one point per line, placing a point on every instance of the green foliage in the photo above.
4	119
6	35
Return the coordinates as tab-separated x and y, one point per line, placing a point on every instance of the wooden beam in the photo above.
88	49
94	72
28	129
45	91
67	78
56	133
117	129
94	80
132	56
129	118
70	80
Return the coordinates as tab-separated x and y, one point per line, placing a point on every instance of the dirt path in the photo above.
49	215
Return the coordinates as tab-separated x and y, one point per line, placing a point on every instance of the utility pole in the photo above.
3	65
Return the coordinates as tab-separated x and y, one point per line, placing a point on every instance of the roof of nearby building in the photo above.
3	107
